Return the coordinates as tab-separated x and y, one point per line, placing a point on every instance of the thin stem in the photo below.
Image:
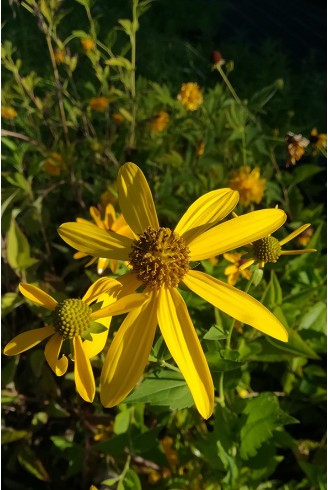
133	74
169	366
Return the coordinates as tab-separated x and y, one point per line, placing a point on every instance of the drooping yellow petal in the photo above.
52	351
102	285
84	378
298	252
120	226
294	234
38	296
113	264
26	340
103	263
79	255
121	306
235	303
206	212
235	233
110	217
128	353
182	341
96	216
135	198
98	340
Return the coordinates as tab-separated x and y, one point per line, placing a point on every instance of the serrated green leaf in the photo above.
217	332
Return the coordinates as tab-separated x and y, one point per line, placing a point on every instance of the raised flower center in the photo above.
267	249
71	318
160	258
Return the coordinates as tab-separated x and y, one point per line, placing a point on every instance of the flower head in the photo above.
268	249
160	261
74	319
296	144
8	112
232	271
54	164
88	44
190	96
118	118
319	141
59	55
248	183
99	104
160	122
109	223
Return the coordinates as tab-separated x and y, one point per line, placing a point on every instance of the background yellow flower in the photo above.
190	96
248	183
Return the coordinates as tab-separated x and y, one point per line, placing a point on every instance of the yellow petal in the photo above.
246	264
27	340
235	233
235	303
98	342
121	306
96	216
38	296
102	285
102	265
52	351
79	255
231	269
84	379
113	264
90	239
121	227
182	341
135	198
294	234
110	217
128	354
206	212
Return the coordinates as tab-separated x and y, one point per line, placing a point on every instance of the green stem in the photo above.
131	143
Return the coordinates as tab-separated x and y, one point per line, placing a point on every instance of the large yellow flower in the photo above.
109	223
75	319
159	258
248	183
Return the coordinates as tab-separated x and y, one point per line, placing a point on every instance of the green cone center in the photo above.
267	249
160	258
71	318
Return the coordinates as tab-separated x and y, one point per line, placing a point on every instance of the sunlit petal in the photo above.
102	265
98	342
206	212
120	226
26	340
135	198
52	351
121	306
294	234
246	264
84	378
128	354
90	239
182	341
235	303
38	296
235	233
102	285
79	255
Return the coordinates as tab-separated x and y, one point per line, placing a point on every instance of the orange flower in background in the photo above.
59	55
319	141
232	271
99	104
54	164
88	44
8	113
109	223
190	96
248	183
160	122
117	117
304	238
296	144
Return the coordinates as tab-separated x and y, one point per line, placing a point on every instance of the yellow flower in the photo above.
75	320
59	55
200	148
109	223
248	183
54	164
190	96
88	44
99	104
296	145
160	122
232	271
118	118
304	238
268	249
8	112
319	141
159	260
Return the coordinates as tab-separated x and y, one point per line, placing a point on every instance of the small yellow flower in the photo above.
190	96
160	122
268	249
54	164
296	144
109	223
304	238
248	183
117	118
8	113
88	44
232	271
74	320
200	148
319	141
159	259
59	55
99	104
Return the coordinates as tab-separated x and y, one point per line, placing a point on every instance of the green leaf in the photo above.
126	114
18	249
11	435
9	302
127	26
119	61
122	422
218	364
29	460
131	480
217	332
315	318
273	293
304	172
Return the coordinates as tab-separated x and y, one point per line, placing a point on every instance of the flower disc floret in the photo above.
160	258
267	249
71	318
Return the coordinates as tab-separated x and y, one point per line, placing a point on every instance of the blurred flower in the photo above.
54	164
109	223
170	453
118	118
59	55
217	58
296	144
8	112
104	432
74	320
159	260
108	197
200	148
304	238
88	44
319	141
160	122
232	271
99	104
248	183
190	96
268	249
